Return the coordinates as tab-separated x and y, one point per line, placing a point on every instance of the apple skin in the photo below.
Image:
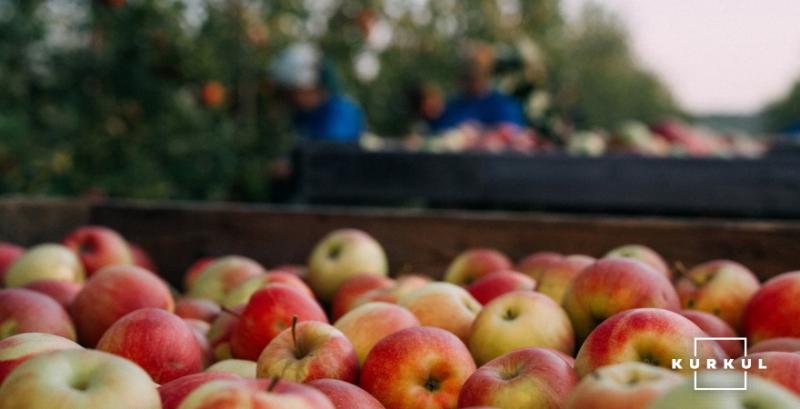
8	254
341	255
269	312
402	286
242	293
241	367
142	258
254	394
504	325
534	264
776	345
113	292
634	383
321	352
44	262
200	330
366	325
650	335
417	368
491	286
443	305
79	379
24	310
352	289
174	392
474	264
221	276
613	285
221	331
17	349
534	378
554	273
345	395
644	254
772	311
198	309
719	287
782	368
98	247
158	341
716	327
761	393
63	292
195	269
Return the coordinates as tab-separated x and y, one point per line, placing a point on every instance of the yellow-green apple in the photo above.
8	254
719	287
772	311
194	270
198	309
44	262
307	351
529	378
64	292
241	293
402	286
554	275
241	367
782	368
644	254
352	289
341	255
174	392
142	258
270	311
98	247
760	394
254	394
613	285
78	379
113	292
443	305
493	285
417	368
221	331
24	310
517	320
473	264
650	335
367	324
345	395
221	276
784	344
629	385
717	328
158	341
17	349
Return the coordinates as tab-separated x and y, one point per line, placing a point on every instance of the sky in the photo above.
717	56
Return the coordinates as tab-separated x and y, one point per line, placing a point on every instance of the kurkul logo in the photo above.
698	365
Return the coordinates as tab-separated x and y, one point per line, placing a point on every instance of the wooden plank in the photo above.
28	221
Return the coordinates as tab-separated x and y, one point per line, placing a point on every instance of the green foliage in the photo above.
784	113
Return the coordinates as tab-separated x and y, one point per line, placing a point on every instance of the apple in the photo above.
525	378
345	395
241	367
517	320
197	308
44	262
613	285
174	392
241	293
224	274
78	379
716	327
353	288
535	263
719	287
64	292
255	394
269	312
113	292
644	254
159	341
554	273
650	335
402	286
221	331
28	311
340	255
491	286
474	264
417	368
760	394
443	305
200	330
366	325
8	254
782	368
17	349
98	247
777	345
772	311
195	269
634	383
142	258
307	351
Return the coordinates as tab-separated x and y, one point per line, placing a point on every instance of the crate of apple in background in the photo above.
88	322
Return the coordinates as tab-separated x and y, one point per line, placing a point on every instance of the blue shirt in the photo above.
490	110
339	119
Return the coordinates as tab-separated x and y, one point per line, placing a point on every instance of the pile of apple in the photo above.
89	324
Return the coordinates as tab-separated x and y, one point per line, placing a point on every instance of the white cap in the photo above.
297	66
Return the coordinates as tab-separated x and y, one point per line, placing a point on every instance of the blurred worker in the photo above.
478	101
320	111
427	103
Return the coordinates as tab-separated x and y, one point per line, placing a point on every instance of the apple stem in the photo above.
680	268
294	337
231	312
273	383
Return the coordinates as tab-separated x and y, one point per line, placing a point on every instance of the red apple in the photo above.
632	385
402	286
554	273
645	255
98	247
64	292
534	264
221	332
256	394
142	258
353	288
17	349
8	254
777	345
224	274
28	311
195	269
498	283
241	293
174	392
197	308
200	330
782	368
474	264
345	395
772	311
760	393
716	327
366	325
44	262
445	306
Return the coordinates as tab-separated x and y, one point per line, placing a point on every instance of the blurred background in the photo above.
184	99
